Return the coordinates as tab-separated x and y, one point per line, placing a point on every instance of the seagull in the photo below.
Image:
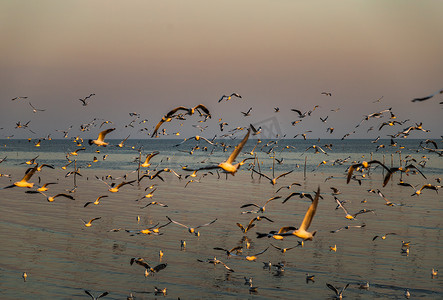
89	224
227	165
123	142
348	227
140	261
365	165
191	230
405	169
383	237
97	201
278	235
427	97
251	223
216	261
248	113
288	186
300	194
100	141
326	93
34	110
190	111
310	278
283	250
83	101
159	291
335	191
237	249
307	220
95	298
31	161
338	295
24	182
251	257
150	195
273	181
388	203
44	187
261	209
51	198
348	215
18	98
229	97
155	230
114	188
75	153
324	120
154	203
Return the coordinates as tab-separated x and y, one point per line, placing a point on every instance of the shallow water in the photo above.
63	258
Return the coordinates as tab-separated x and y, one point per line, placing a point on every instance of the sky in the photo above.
151	56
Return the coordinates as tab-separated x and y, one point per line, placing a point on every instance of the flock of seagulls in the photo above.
357	171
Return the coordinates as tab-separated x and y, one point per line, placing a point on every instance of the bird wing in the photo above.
290	196
241	227
124	183
414	167
103	196
175	222
332	288
261	252
87	292
343	289
158	126
350	171
64	195
297	111
341	205
227	268
271	199
238	148
236	248
285	229
101	136
102	295
387	177
263	217
284	174
261	174
92	220
311	212
383	196
380	163
278	248
206	224
249	204
160	267
29	172
203	108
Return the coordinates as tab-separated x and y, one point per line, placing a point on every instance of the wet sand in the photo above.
63	258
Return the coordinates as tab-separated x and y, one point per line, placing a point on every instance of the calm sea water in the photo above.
62	258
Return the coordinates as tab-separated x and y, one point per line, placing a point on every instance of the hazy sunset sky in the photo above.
150	56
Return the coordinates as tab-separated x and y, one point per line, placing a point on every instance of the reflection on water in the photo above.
62	257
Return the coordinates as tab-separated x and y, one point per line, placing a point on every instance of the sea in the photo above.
63	258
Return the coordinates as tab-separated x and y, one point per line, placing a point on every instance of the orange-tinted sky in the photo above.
150	56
